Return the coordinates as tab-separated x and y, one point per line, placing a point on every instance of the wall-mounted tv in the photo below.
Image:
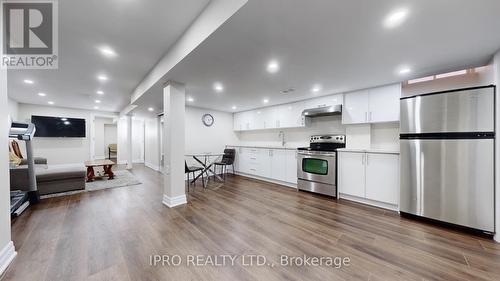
58	127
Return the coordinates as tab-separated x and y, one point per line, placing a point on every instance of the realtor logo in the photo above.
30	33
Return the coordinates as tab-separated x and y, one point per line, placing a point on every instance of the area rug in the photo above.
122	178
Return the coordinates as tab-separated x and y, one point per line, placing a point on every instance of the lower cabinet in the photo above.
371	178
268	163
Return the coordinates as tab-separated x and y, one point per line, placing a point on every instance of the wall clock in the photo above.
208	120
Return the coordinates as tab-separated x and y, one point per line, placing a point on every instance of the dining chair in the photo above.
193	169
227	160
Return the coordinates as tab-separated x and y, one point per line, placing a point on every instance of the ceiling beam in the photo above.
212	17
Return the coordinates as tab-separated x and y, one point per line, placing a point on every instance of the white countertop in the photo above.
265	146
369	150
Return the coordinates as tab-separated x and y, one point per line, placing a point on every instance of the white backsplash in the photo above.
380	136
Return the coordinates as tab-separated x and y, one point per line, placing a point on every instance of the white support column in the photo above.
129	142
173	144
7	250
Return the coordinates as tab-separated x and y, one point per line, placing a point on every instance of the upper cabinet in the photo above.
367	106
273	117
375	105
324	101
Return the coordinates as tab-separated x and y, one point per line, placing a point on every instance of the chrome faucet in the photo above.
281	135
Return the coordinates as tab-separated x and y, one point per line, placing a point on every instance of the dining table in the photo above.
206	160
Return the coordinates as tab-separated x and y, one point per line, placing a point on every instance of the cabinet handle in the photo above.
367	157
366	116
363	159
370	116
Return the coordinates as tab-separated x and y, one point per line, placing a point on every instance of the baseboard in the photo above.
497	237
369	202
100	157
151	166
7	255
174	201
284	183
137	161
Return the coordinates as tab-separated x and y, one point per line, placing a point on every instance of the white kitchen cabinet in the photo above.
370	178
267	163
278	160
374	105
324	101
355	109
382	177
290	115
384	104
352	173
291	166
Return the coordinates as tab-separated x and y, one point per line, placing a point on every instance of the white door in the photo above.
355	109
382	177
351	170
278	164
384	104
291	166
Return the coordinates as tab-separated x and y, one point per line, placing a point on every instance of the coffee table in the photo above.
105	164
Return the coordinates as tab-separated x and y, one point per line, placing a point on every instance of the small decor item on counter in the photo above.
208	120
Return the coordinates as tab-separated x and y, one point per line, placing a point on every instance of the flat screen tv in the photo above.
58	127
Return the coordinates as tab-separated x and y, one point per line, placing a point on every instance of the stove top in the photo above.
325	143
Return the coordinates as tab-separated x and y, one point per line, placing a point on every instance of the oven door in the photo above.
317	167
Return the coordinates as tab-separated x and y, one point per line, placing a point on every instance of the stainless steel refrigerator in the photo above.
447	157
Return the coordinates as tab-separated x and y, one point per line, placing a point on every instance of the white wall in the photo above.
200	138
59	150
496	78
152	143
138	140
122	133
13	109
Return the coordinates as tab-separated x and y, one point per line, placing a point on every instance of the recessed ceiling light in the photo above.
50	102
218	87
96	107
316	88
234	107
27	81
97	101
190	99
395	18
42	94
150	109
102	77
107	52
265	100
64	119
100	92
404	70
273	66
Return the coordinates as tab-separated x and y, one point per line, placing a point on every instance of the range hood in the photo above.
323	111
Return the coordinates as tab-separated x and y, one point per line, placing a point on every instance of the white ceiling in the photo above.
139	31
341	45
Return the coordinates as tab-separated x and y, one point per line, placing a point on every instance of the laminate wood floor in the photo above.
111	235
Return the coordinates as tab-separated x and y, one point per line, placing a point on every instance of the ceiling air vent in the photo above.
287	91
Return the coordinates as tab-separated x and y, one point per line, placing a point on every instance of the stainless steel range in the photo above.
317	164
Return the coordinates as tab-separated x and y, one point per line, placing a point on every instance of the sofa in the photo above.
49	179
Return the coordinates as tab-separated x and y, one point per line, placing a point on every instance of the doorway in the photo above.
104	138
